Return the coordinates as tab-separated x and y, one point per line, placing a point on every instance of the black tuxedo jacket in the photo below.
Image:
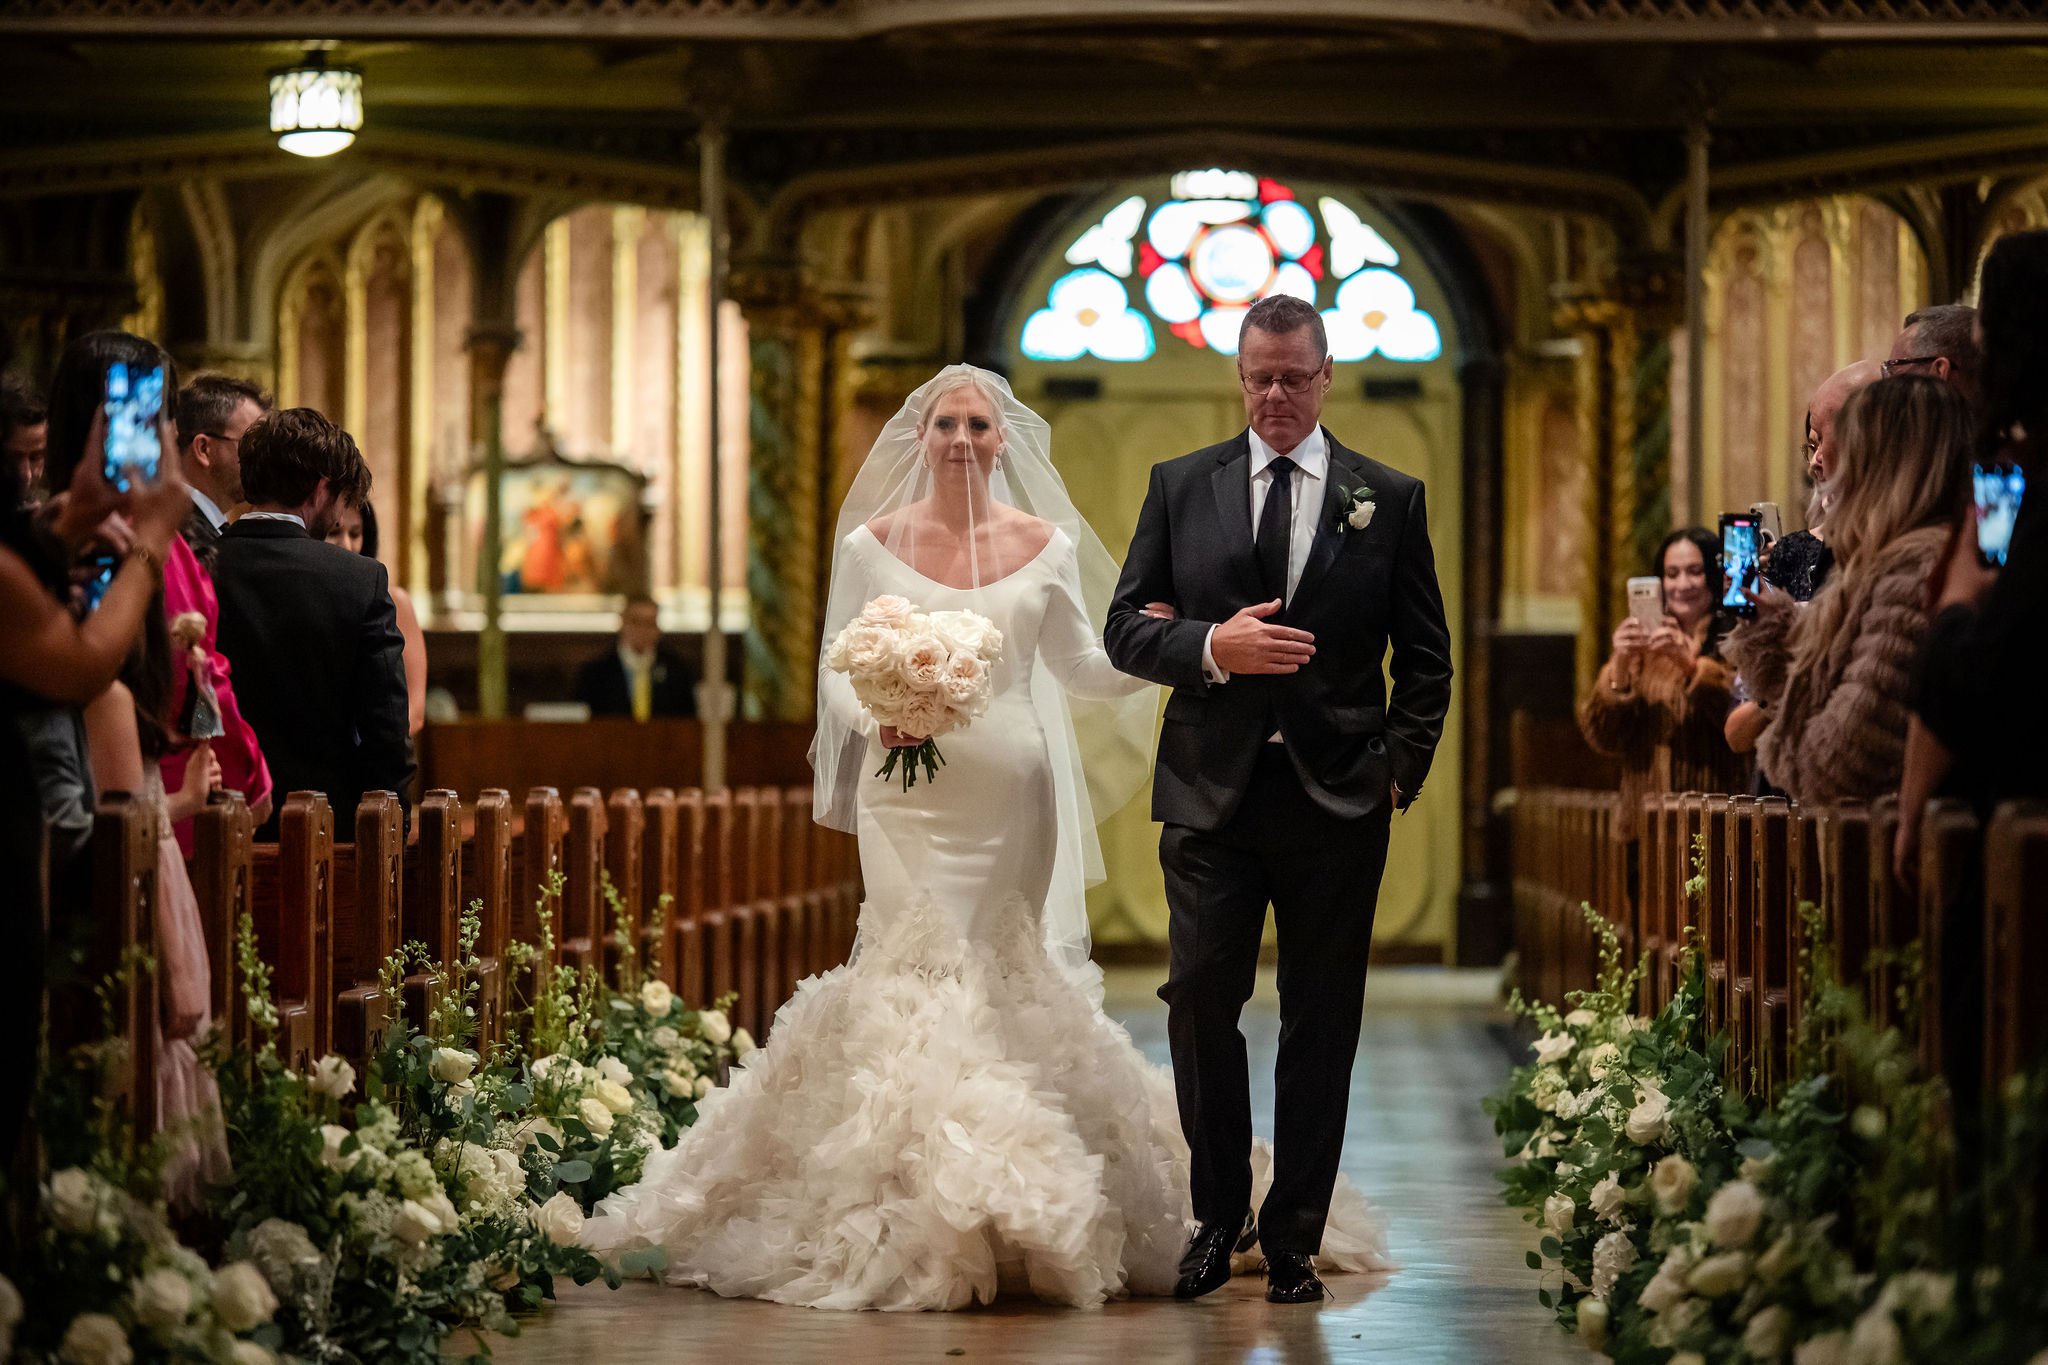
601	685
318	666
1361	592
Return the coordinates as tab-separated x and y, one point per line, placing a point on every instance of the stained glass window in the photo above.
1218	243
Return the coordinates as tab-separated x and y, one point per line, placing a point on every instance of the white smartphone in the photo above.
1646	601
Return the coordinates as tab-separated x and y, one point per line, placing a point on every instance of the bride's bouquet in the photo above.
925	673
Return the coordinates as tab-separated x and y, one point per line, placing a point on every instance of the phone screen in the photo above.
135	405
1999	489
1738	561
100	571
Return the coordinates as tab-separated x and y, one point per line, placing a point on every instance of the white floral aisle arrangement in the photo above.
927	674
1681	1224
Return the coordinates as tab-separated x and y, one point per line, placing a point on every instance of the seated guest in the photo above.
1660	701
24	433
213	413
355	530
639	678
1834	678
319	662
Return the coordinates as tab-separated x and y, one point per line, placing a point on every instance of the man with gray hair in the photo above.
1940	340
1267	578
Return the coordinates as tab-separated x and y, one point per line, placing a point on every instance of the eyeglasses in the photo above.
221	436
1289	383
1891	366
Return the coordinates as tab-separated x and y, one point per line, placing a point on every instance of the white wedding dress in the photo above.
950	1114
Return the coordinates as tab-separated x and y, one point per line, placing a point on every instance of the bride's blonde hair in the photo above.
1902	463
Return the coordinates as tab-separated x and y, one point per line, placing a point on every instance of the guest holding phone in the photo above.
1659	702
1834	679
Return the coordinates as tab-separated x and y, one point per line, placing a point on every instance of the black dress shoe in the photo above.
1291	1278
1206	1266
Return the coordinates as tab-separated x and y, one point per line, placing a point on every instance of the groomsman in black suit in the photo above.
639	678
311	628
214	412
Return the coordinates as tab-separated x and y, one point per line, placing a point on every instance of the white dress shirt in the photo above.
293	517
207	507
1311	471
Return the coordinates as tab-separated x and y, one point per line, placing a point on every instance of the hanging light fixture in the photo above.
315	109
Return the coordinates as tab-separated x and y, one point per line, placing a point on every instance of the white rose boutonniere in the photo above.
1355	507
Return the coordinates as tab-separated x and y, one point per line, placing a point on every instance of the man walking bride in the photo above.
950	1114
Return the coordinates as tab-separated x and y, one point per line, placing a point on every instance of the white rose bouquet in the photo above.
924	673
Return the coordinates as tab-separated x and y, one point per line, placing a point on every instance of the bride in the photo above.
950	1114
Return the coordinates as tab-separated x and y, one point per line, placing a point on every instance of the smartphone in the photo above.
1769	521
1999	488
135	408
99	576
1739	546
1646	601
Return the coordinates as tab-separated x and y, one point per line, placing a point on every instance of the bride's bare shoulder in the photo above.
1029	535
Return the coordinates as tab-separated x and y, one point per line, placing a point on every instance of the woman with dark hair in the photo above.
355	530
1660	701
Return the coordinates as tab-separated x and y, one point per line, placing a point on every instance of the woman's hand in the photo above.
1965	579
202	775
1161	611
893	738
1630	639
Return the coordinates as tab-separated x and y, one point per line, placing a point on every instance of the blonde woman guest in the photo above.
1660	702
1836	679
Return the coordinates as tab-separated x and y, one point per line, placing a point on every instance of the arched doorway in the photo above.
1120	330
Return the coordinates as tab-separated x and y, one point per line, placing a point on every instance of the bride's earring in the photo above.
1000	452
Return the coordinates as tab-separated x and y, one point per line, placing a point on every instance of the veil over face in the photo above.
960	487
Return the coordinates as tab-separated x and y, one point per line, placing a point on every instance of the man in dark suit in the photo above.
639	678
214	412
1266	580
310	626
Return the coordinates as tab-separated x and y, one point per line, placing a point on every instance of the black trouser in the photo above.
1321	874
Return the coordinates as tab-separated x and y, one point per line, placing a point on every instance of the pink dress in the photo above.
187	1101
188	587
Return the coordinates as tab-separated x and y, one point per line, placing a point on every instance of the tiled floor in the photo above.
1418	1144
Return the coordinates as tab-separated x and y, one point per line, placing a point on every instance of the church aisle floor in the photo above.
1417	1143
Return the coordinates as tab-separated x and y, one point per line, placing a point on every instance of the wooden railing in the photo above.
1730	872
759	898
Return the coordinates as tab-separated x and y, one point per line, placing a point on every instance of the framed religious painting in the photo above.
574	533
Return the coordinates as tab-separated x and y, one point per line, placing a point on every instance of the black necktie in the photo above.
1276	527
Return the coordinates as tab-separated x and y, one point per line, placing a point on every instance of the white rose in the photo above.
1918	1293
870	649
703	1086
1601	1060
1558	1212
965	682
414	1223
73	1201
541	1067
95	1339
921	659
967	630
887	610
1734	1214
1667	1288
1718	1275
1613	1255
250	1353
1768	1333
241	1297
1868	1122
1829	1348
451	1064
1581	1018
279	1247
531	1132
1757	1170
615	1071
612	1095
332	1135
656	998
1608	1198
1553	1047
715	1026
1593	1323
10	1310
560	1220
1672	1181
1360	516
664	1038
443	1210
676	1083
163	1299
1772	1265
742	1042
1875	1339
883	694
595	1116
333	1077
1650	1120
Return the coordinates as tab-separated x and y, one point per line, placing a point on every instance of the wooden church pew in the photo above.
715	917
292	900
2015	941
1772	952
125	890
660	870
487	876
433	902
537	856
369	923
1950	841
625	863
1738	933
742	909
580	936
688	971
222	838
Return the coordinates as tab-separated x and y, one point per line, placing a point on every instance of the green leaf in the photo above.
1551	1248
572	1172
1535	1261
1543	1297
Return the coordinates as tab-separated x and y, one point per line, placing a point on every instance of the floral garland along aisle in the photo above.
1683	1223
372	1223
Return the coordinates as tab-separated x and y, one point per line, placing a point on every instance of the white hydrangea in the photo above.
1613	1256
